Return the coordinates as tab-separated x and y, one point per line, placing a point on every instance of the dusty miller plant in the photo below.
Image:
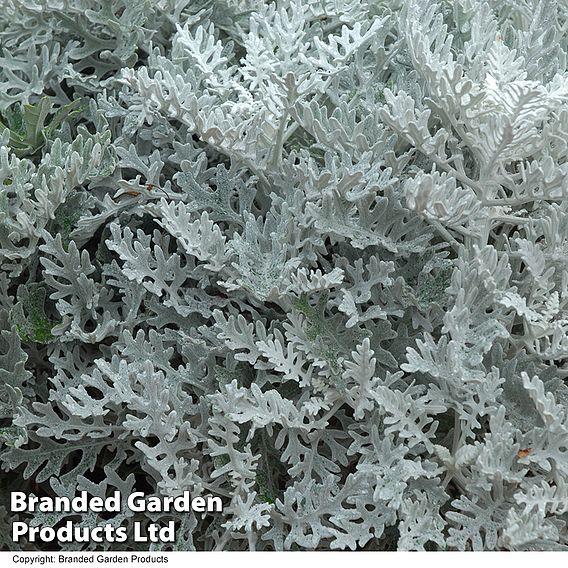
306	255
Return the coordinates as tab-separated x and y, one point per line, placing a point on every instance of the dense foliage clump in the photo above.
309	256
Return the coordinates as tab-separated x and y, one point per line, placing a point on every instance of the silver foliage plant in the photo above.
306	255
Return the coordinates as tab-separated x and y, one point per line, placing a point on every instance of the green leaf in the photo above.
27	124
29	317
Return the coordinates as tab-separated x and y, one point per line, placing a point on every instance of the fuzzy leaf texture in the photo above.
309	257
